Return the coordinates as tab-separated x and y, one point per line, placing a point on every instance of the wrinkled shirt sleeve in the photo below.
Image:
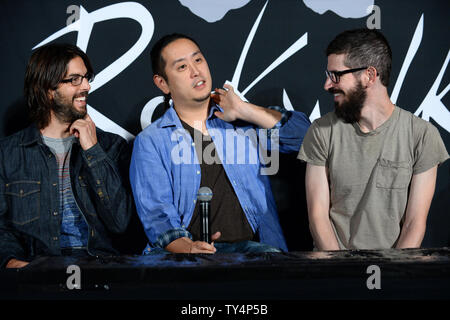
291	129
151	182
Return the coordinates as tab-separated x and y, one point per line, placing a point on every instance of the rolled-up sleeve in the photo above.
291	129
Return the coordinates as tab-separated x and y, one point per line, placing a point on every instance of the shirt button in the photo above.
198	172
193	144
55	213
195	201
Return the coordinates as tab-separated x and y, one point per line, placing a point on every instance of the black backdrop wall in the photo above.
271	51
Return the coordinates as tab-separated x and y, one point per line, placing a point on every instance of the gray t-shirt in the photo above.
74	229
369	173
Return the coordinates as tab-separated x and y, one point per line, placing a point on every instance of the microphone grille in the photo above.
204	194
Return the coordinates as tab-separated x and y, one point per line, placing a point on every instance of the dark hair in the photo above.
158	63
46	68
364	47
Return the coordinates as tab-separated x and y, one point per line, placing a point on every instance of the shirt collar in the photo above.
171	119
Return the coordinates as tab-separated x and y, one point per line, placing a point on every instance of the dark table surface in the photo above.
403	274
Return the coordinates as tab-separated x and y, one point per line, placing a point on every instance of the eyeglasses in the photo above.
77	79
335	75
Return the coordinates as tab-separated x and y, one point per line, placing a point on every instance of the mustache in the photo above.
334	90
81	94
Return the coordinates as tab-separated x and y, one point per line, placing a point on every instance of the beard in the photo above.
64	109
350	109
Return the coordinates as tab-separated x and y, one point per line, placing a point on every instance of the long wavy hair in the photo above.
46	68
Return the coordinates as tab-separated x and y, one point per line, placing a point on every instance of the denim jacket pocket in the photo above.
393	174
24	200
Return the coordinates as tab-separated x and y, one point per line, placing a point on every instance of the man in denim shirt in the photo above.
64	183
193	145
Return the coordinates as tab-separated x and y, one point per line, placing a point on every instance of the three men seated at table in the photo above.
65	184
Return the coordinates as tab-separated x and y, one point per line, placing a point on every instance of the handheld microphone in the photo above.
204	195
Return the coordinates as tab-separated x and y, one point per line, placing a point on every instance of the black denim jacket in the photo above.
30	217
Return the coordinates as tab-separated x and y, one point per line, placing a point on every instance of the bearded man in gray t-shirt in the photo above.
371	166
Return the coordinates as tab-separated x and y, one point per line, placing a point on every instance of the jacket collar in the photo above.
31	135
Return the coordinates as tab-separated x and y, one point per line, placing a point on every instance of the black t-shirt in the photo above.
226	214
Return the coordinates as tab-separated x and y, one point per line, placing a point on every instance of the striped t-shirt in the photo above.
73	227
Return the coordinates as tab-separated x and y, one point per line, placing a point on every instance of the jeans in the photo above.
236	247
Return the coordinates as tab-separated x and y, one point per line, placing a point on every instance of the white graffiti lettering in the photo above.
82	22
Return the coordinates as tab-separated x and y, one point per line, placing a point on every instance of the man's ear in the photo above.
369	77
51	94
161	83
372	74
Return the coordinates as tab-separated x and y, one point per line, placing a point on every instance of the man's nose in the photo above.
194	71
85	85
328	84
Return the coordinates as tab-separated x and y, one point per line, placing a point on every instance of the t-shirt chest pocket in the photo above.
393	174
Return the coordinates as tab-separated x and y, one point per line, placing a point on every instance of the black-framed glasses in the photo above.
336	75
77	79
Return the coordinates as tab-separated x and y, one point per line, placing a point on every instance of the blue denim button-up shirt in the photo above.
165	174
